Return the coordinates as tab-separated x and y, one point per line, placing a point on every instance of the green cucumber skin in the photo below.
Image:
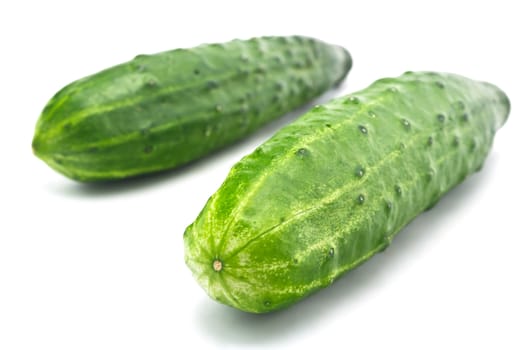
331	189
161	111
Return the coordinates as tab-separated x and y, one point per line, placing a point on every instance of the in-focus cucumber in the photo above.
160	111
333	188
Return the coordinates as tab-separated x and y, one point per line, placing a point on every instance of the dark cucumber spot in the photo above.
298	64
398	189
360	171
430	175
363	129
212	84
302	152
277	59
151	83
260	69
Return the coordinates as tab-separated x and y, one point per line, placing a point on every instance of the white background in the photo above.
101	266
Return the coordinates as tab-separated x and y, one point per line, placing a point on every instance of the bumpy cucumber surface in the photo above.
330	190
160	111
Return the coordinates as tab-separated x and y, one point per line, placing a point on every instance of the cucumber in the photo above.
333	188
161	111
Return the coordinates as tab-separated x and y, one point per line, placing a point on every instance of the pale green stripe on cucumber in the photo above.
330	190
